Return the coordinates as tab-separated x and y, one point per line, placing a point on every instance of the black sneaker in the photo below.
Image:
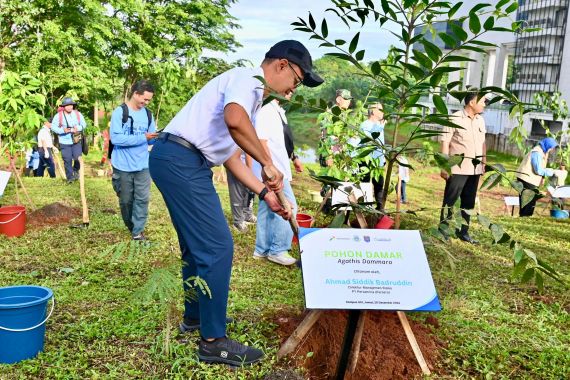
190	325
228	351
466	238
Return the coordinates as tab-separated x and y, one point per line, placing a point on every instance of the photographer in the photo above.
68	124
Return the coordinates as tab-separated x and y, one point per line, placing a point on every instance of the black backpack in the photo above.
126	118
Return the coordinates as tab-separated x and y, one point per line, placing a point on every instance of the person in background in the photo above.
469	141
404	173
273	234
532	171
45	150
129	158
241	198
32	162
68	124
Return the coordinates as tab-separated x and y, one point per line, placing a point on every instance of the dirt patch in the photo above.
54	213
385	351
284	375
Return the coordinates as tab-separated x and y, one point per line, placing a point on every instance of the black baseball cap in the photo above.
297	53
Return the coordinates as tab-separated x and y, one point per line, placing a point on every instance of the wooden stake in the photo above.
413	342
398	203
17	179
82	190
323	203
299	334
355	352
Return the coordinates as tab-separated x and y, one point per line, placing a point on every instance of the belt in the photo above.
178	140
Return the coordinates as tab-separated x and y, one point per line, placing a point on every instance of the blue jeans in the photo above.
69	153
274	234
185	181
133	190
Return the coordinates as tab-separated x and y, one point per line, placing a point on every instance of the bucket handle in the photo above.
36	326
14	218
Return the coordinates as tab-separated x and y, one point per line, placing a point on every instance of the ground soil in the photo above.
54	213
384	354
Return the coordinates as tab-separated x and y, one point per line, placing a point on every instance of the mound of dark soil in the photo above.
385	351
54	213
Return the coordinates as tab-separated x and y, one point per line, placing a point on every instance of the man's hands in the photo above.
70	130
272	177
275	206
298	165
444	174
46	154
150	136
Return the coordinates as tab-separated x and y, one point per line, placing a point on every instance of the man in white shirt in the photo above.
273	234
45	149
208	131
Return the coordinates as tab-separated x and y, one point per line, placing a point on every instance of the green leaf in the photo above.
376	68
312	22
440	104
354	43
324	28
539	281
478	7
489	23
513	7
497	232
527	196
474	23
432	50
528	275
338	221
458	31
359	55
416	71
484	221
454	9
500	4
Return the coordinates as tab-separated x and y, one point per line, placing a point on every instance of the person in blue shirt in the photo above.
532	170
131	177
68	124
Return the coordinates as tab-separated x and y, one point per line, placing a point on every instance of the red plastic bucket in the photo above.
12	220
303	220
385	223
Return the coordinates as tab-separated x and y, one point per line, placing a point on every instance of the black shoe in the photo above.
190	325
466	238
228	351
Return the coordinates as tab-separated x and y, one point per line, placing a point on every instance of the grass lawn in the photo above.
493	327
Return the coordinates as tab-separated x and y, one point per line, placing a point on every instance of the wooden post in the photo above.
82	190
413	342
353	359
398	203
299	334
59	165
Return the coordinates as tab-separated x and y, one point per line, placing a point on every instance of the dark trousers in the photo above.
185	181
378	187
462	187
241	199
528	209
403	197
46	163
133	190
71	153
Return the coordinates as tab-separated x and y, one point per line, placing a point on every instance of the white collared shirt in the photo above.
45	135
201	120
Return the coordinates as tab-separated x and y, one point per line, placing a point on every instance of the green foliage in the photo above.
415	70
20	101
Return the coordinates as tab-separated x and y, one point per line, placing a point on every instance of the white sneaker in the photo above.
259	256
251	220
283	258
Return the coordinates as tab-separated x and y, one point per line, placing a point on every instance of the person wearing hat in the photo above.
467	140
208	131
129	158
533	170
68	124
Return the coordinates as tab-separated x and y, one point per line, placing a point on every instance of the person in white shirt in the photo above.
273	234
45	149
208	131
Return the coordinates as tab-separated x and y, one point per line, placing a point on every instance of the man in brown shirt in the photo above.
469	140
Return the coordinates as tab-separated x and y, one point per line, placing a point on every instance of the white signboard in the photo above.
366	269
340	195
4	177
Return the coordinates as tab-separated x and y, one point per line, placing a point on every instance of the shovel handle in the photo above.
285	203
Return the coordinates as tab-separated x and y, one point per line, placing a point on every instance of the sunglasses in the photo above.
299	79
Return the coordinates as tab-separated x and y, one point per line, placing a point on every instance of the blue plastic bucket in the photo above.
559	214
22	321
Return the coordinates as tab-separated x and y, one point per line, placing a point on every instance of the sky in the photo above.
263	23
